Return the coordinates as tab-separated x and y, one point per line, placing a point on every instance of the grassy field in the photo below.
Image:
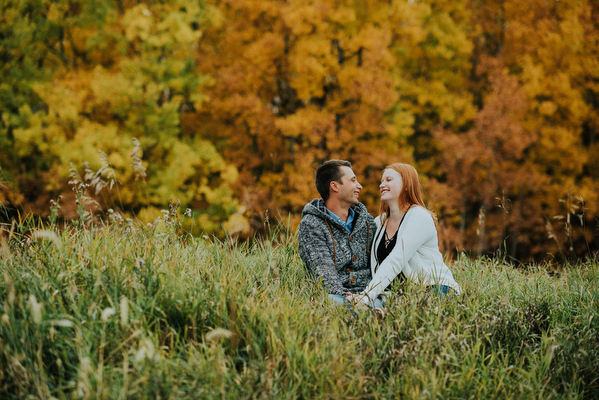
123	312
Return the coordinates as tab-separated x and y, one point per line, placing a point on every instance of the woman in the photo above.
405	244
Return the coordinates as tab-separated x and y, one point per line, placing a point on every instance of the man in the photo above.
336	232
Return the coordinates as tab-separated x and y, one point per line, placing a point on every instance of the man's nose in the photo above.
358	185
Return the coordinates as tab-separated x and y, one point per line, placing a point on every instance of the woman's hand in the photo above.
357	298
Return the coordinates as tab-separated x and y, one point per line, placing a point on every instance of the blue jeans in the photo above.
341	300
441	290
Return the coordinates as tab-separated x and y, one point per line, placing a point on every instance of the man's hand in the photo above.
358	299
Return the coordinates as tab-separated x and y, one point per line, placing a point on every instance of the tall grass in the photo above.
125	311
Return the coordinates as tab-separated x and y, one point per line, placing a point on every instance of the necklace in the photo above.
388	239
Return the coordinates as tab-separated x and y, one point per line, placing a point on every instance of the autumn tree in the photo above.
297	83
234	103
126	71
489	168
543	50
28	54
432	46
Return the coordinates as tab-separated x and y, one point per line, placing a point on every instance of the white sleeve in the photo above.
415	230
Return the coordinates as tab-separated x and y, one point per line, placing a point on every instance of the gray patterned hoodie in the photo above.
331	253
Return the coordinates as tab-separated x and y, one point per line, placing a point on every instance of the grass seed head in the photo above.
107	313
50	236
36	310
124	311
218	333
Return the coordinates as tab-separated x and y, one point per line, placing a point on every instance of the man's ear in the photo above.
333	186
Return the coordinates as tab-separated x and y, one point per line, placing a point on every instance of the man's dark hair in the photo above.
328	172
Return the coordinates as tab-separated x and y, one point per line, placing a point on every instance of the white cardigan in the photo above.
416	254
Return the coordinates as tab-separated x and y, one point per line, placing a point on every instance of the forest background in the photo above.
229	106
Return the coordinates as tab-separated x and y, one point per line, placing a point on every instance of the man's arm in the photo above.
316	254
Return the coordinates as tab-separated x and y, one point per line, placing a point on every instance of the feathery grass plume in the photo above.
11	291
107	313
36	310
4	247
97	181
106	171
574	206
136	164
124	311
145	351
75	178
49	235
551	233
65	323
480	230
84	385
80	186
505	205
572	203
218	333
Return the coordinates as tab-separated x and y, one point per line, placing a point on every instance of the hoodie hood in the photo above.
317	208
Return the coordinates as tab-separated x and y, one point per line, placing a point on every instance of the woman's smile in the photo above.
391	185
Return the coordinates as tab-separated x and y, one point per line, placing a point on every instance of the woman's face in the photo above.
391	186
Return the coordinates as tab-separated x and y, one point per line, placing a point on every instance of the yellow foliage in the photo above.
303	19
138	23
342	15
308	122
311	62
56	12
547	108
63	102
251	95
148	215
88	139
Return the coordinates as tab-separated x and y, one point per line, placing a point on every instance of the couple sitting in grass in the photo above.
358	257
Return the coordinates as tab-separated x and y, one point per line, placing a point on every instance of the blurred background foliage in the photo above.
229	106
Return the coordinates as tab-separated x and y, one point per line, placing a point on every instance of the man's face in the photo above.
349	187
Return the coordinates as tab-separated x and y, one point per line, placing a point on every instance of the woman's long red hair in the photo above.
411	191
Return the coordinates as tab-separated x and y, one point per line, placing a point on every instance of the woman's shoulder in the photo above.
418	209
420	212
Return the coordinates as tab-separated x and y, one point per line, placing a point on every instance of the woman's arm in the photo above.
417	228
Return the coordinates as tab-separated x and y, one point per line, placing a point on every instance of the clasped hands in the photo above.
356	299
361	300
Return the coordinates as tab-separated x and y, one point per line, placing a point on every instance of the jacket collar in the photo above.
317	208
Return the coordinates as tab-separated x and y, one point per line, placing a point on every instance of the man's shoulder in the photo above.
310	228
313	215
311	219
315	207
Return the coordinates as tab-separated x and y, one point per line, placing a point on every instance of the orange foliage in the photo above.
236	102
